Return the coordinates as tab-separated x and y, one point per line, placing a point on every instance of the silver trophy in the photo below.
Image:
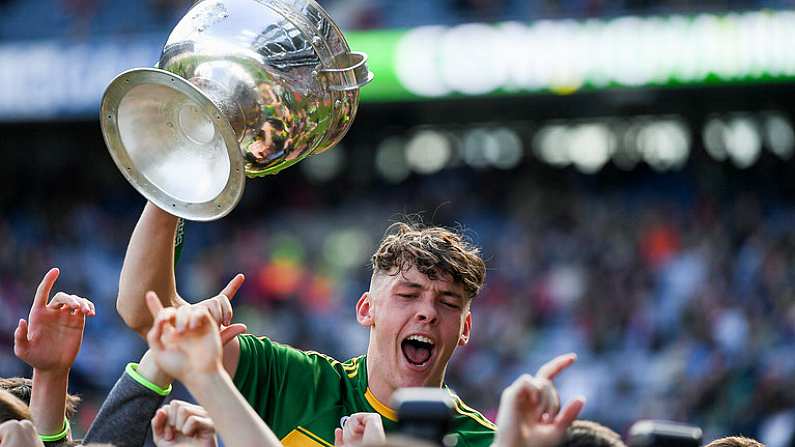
243	88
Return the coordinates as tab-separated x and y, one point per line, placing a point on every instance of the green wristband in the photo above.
57	436
132	371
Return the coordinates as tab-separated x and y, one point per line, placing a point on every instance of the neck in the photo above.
376	381
378	378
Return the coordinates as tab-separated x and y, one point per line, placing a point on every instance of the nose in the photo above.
426	312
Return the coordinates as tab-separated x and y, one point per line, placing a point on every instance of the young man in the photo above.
417	310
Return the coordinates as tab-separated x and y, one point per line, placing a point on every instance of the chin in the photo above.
418	376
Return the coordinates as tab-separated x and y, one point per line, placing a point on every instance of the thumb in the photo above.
230	332
338	437
21	337
153	303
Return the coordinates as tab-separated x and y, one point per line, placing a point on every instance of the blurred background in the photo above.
625	165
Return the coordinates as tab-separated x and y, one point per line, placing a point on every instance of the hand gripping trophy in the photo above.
243	88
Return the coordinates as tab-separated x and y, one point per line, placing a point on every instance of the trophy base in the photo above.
173	144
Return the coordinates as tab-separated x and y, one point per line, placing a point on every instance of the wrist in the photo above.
504	439
51	373
149	370
50	381
55	437
205	380
132	371
48	400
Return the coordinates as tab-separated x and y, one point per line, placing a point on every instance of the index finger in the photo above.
153	303
338	437
234	285
45	287
159	422
552	368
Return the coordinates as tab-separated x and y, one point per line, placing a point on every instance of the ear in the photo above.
465	333
364	310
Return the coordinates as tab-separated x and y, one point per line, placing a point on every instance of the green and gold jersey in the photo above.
303	395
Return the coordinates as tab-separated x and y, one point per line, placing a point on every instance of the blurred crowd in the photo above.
679	303
79	19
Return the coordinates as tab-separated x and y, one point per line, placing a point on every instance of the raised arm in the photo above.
148	265
125	416
185	343
49	341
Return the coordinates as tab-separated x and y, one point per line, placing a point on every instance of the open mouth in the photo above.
417	349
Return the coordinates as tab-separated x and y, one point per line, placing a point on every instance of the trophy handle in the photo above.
353	74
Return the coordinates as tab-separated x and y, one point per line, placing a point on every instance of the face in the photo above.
415	326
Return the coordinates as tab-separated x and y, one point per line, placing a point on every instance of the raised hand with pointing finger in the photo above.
220	306
49	341
528	415
549	402
183	340
50	338
186	344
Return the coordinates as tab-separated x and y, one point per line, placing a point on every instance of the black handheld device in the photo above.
424	413
651	433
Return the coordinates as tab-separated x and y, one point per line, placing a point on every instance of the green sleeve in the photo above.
281	382
475	438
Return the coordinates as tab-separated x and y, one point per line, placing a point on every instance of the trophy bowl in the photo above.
243	89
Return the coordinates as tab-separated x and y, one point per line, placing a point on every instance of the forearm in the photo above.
235	421
124	417
48	400
148	265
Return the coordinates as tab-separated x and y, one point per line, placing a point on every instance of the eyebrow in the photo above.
414	285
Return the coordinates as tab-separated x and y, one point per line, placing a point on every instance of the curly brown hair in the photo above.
434	251
12	408
735	441
583	433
